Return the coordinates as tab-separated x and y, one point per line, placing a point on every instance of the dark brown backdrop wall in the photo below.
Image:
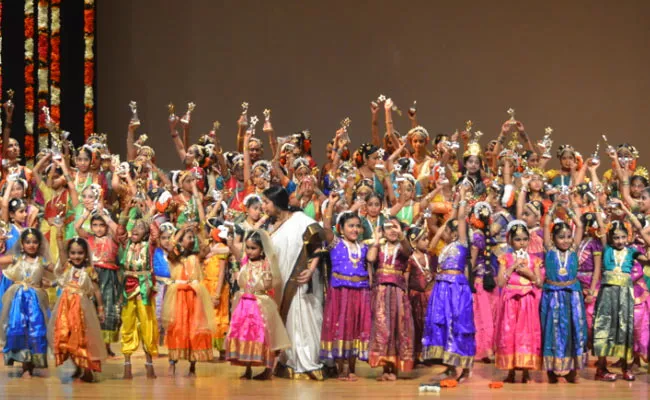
579	66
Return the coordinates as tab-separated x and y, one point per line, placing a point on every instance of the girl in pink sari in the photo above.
518	344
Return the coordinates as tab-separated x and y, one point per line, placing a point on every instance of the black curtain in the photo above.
72	67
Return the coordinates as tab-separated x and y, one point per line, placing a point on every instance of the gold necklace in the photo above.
619	259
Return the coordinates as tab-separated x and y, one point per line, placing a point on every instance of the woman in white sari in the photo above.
297	240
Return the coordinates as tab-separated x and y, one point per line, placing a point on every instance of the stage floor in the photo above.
220	380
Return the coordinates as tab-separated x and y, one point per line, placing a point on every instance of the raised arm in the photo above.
178	143
270	133
376	137
131	150
242	123
6	131
247	162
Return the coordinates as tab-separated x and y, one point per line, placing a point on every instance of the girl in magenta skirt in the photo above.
391	339
347	316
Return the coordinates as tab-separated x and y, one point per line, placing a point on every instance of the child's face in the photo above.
255	211
406	191
519	241
645	202
530	218
563	240
99	228
253	250
619	239
392	231
188	240
31	245
76	254
567	160
373	206
351	229
165	240
20	215
423	243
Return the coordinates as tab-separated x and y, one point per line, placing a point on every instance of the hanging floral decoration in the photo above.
55	61
89	67
29	80
43	70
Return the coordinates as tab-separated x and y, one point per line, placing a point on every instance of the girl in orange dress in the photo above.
74	331
214	272
187	312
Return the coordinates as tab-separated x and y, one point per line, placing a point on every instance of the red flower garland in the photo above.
55	61
43	71
89	67
29	80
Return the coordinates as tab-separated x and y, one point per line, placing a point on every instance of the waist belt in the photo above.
389	271
561	284
135	274
451	272
350	278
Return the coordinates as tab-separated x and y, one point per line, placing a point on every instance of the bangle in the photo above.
626	182
462	203
389	122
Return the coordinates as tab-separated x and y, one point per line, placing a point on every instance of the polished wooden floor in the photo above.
220	380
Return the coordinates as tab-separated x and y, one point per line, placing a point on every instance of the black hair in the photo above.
57	170
32	231
87	150
84	245
372	195
16	204
255	237
559	227
616	226
280	198
97	217
589	220
345	217
439	138
251	201
517	228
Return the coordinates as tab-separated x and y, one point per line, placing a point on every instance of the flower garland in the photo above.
55	61
43	70
29	80
89	67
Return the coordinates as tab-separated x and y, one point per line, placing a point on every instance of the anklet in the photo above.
127	363
148	364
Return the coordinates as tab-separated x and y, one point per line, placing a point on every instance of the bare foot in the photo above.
192	371
127	372
109	352
391	377
88	376
352	377
77	373
525	378
248	374
383	377
151	374
171	371
264	376
510	378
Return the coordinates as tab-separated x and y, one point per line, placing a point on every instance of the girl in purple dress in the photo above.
449	332
590	259
391	339
347	316
421	267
